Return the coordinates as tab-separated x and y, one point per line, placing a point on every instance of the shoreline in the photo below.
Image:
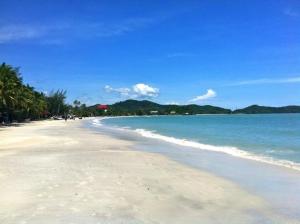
56	171
276	184
229	150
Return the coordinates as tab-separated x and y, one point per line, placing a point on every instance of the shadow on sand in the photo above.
3	126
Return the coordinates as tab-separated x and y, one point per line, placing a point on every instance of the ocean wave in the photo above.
97	122
233	151
230	150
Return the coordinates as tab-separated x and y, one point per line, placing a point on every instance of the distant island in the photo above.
256	109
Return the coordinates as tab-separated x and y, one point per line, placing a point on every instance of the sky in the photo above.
224	53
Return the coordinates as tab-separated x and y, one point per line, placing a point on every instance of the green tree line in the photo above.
19	101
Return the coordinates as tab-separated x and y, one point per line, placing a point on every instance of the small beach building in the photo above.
153	112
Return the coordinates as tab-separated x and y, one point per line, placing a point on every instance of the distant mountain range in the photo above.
145	107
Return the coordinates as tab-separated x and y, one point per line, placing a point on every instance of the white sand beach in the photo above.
59	172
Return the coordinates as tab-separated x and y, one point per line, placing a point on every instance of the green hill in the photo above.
256	109
145	107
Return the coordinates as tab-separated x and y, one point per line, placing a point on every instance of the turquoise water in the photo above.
273	138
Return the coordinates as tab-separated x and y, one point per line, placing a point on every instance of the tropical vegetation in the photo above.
20	102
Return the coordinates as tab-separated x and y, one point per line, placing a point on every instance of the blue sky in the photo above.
224	53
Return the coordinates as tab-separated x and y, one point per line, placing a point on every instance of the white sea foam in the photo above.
97	122
233	151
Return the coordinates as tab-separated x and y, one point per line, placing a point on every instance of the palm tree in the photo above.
40	106
10	85
56	102
17	100
21	101
76	103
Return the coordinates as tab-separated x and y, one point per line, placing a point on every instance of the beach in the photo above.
62	172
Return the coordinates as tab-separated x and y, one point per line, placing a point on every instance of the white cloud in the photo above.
129	25
209	94
16	32
139	90
143	90
108	88
172	103
121	91
267	81
56	33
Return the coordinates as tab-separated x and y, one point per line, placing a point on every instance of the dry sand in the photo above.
58	172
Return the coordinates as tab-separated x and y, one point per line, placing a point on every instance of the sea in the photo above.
259	152
269	138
